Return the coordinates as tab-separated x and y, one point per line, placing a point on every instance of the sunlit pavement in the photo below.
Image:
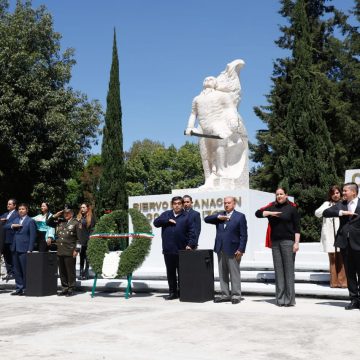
146	326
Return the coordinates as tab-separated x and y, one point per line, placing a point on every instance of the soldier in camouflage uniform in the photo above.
68	247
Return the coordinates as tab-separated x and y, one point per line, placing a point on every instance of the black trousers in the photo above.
67	272
172	272
83	259
41	242
352	269
8	257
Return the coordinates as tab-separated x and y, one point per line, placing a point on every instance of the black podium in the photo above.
41	274
196	273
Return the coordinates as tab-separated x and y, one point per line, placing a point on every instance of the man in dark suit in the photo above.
193	215
24	228
8	234
177	233
348	239
2	238
230	244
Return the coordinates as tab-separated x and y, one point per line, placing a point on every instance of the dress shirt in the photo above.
352	204
9	214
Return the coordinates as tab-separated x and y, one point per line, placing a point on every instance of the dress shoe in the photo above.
289	305
69	293
235	301
171	297
221	299
17	292
62	293
8	277
354	304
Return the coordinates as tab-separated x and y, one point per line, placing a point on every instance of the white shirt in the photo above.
352	205
22	219
9	214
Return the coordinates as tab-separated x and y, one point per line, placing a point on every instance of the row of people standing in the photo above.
283	237
178	233
180	230
20	234
46	233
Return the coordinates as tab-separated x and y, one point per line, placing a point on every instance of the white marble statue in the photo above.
222	135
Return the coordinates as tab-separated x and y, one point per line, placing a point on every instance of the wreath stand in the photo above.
128	287
128	291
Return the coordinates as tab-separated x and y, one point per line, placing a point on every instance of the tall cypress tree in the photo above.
112	192
308	168
297	149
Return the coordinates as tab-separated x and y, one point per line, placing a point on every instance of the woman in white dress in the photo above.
328	232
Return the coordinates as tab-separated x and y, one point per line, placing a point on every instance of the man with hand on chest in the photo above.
230	244
8	234
177	233
24	228
348	239
68	247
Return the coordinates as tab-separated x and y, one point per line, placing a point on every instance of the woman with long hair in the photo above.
86	221
45	233
329	229
283	238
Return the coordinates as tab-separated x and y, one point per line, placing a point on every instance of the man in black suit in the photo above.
230	244
177	233
193	215
348	239
8	218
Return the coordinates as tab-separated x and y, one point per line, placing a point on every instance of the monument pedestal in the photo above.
206	203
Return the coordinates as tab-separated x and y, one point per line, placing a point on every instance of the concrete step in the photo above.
249	285
264	276
248	288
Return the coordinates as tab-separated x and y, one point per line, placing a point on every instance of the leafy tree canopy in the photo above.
46	127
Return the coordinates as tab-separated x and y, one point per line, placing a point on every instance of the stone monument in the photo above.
223	138
224	152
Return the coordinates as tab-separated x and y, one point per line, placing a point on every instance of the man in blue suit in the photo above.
230	244
177	233
8	234
194	215
24	228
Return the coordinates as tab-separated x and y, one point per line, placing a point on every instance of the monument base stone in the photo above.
206	203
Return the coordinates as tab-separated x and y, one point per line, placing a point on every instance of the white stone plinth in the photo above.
248	201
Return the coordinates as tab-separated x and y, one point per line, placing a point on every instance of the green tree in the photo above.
151	168
90	179
303	145
112	192
307	166
83	186
46	127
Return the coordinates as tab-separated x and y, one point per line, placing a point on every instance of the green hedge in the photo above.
133	255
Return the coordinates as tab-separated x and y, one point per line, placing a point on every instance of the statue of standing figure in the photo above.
223	138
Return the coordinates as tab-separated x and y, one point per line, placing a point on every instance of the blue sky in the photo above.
166	48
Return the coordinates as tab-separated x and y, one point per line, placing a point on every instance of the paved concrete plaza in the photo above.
148	327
